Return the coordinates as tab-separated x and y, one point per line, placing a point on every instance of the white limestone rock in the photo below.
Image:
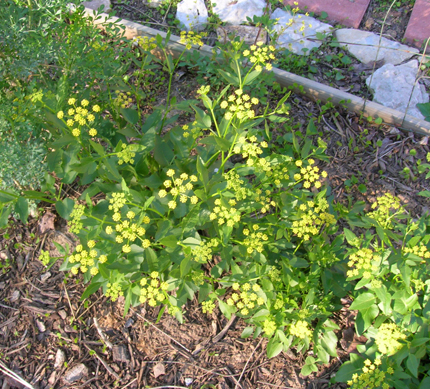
364	46
192	14
292	38
392	87
96	4
236	12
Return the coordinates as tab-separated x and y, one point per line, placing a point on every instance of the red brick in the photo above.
346	12
418	29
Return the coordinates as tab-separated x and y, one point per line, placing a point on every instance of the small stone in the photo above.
391	33
129	323
120	354
292	38
15	296
424	141
60	358
40	325
76	373
45	276
5	255
188	381
51	379
96	4
364	46
246	33
369	23
192	14
397	95
159	370
236	12
62	314
395	131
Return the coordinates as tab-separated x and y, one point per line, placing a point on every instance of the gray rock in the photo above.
364	46
192	14
60	358
392	87
76	373
236	12
96	4
246	33
290	35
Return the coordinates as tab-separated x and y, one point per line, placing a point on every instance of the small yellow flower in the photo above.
60	114
96	108
84	102
93	132
76	132
71	101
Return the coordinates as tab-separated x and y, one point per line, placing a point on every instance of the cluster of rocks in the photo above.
393	85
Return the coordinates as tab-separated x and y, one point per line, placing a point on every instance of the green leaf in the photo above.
223	144
65	207
92	288
311	128
229	77
363	301
309	367
131	115
274	347
127	303
21	208
251	77
247	332
99	149
203	172
412	364
365	318
425	110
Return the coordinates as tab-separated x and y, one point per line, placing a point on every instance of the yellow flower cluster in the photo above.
251	149
264	200
236	184
300	329
239	106
194	131
122	99
245	297
127	153
225	214
144	42
116	202
309	175
361	261
383	209
44	257
203	252
277	173
198	277
255	240
191	38
208	307
86	259
79	116
274	274
420	251
153	290
260	56
114	291
269	327
371	376
127	232
75	224
179	187
312	216
387	338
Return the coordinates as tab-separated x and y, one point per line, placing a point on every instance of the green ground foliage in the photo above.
220	185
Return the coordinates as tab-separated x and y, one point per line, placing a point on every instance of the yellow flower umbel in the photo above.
235	183
203	253
260	55
371	376
264	200
127	154
114	291
75	224
309	175
269	327
387	338
190	38
144	43
420	250
245	297
208	307
254	240
225	212
79	116
122	100
362	263
128	230
300	329
386	208
240	106
179	188
86	259
153	290
312	216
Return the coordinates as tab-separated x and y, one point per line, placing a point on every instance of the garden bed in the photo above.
42	314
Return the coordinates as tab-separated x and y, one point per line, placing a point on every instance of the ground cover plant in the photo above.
219	208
